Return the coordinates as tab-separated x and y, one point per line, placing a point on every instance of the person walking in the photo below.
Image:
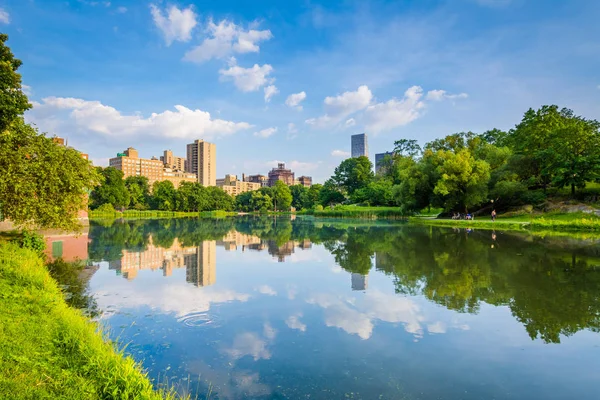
493	215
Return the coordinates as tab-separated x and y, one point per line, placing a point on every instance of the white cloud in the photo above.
437	327
439	95
265	133
293	322
350	122
295	99
269	331
394	113
270	91
225	39
301	167
339	107
93	116
174	23
266	289
248	344
122	10
292	128
4	16
247	79
340	153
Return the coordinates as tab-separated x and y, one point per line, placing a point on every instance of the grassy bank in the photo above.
51	351
558	222
359	212
134	214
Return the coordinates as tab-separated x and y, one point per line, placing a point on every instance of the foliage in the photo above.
330	194
111	191
42	183
32	241
163	196
139	192
13	102
353	174
282	196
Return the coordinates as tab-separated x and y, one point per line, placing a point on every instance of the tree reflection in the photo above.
552	286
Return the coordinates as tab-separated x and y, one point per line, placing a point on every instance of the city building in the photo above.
379	158
305	181
262	179
360	146
281	174
233	186
173	162
131	164
178	176
202	161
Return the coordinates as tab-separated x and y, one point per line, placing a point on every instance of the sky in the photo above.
290	81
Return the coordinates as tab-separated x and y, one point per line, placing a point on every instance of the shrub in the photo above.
319	207
106	209
32	241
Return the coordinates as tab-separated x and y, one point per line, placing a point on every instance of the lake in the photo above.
284	308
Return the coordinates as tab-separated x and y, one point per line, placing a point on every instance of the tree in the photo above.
41	183
407	147
282	196
353	173
312	196
112	190
139	191
163	196
299	196
218	199
330	194
260	202
463	180
13	102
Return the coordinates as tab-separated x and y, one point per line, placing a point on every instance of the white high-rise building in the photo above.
360	146
202	160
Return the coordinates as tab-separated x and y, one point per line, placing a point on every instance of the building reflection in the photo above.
359	281
201	267
68	246
200	262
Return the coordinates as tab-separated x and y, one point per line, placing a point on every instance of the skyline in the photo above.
109	75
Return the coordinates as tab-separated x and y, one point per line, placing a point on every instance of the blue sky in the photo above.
290	81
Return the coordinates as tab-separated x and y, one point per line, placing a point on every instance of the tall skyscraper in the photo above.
359	145
202	161
379	159
201	268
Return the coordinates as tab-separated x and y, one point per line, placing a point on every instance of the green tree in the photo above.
299	196
353	174
260	202
139	192
407	147
463	180
330	194
312	196
112	190
13	102
218	199
41	182
282	196
163	196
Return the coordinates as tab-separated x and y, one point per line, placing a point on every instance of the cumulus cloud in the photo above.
439	95
394	112
295	99
340	107
340	153
4	16
265	133
247	79
293	322
174	23
225	39
270	91
69	115
350	122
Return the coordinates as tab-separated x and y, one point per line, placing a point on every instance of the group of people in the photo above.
471	217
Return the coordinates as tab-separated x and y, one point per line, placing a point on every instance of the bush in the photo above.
534	197
319	207
32	241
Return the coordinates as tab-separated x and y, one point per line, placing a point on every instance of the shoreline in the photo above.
52	350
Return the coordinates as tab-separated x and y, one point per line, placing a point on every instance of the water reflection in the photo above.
363	310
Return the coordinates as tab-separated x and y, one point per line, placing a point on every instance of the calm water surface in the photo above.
263	308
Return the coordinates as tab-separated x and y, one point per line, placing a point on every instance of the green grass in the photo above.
135	214
558	222
217	214
51	351
359	212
